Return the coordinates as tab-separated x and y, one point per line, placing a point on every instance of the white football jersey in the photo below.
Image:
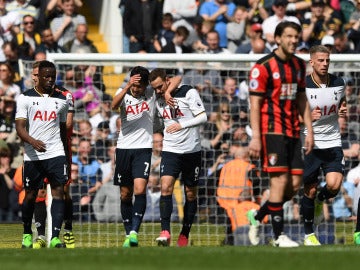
43	114
188	105
327	98
137	116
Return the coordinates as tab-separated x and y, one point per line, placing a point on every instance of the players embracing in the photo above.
181	151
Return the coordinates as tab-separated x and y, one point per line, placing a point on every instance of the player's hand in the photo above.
135	79
39	146
173	128
308	144
343	109
316	114
169	100
255	148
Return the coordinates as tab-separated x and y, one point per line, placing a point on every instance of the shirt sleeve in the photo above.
258	80
21	108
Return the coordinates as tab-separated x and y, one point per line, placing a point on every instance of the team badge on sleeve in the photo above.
253	84
255	73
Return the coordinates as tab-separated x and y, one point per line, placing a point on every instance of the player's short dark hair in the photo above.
143	72
280	28
319	48
157	72
46	64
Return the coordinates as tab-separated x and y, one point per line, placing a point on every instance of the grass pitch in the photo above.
152	257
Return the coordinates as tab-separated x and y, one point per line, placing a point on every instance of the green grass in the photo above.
204	254
326	257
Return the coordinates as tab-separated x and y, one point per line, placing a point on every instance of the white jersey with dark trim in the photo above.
137	115
188	105
43	113
327	98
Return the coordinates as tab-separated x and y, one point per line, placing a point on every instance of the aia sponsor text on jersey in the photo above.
137	108
45	115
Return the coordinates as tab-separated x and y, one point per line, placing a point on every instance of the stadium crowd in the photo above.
30	29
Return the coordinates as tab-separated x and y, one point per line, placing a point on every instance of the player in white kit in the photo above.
326	95
134	146
41	124
181	151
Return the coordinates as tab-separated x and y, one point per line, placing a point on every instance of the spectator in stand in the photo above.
106	203
90	174
270	23
22	7
208	83
11	54
7	86
29	35
84	129
254	34
318	25
302	48
353	105
350	144
142	21
104	114
153	194
217	135
257	10
220	12
63	27
238	108
102	142
165	34
341	44
241	135
200	45
7	119
183	12
343	202
48	10
81	41
9	25
176	45
236	30
156	152
6	184
85	85
48	43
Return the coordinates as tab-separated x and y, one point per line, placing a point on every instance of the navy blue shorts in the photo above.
54	169
187	164
131	164
329	160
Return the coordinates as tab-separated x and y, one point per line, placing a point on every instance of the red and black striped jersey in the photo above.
278	82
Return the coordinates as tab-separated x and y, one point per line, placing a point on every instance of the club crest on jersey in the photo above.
255	73
276	75
273	158
45	116
138	108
